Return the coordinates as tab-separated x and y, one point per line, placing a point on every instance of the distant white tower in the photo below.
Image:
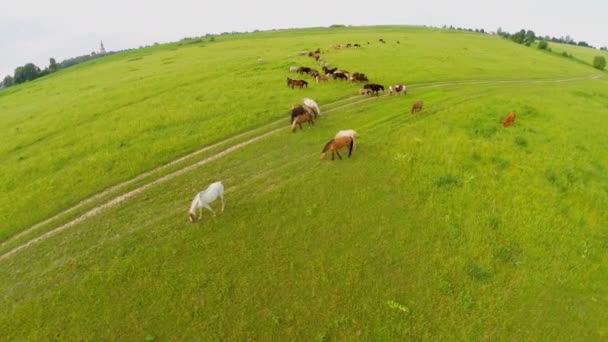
102	50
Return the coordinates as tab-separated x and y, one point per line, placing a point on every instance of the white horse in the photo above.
348	133
312	104
203	198
397	88
293	69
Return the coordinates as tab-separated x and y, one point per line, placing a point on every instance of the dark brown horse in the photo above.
375	88
303	70
300	119
296	83
340	75
337	143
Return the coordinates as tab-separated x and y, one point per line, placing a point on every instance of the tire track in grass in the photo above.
121	198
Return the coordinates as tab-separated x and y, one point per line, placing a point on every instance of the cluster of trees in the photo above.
528	37
30	71
463	29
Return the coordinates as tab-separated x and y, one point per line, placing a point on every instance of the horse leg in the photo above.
206	205
338	153
222	198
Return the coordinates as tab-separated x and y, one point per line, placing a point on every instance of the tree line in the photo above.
30	71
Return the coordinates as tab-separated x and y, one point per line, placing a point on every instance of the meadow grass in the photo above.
75	133
443	225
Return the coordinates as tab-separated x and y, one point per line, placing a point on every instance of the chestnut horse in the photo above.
509	120
297	83
337	143
417	107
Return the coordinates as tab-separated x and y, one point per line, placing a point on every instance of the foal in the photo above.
337	143
203	198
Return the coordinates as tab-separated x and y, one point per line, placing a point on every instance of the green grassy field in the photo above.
443	225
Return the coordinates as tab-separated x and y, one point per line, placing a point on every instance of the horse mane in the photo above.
326	147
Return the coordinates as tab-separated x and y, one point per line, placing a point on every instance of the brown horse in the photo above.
417	106
336	144
302	118
296	83
510	120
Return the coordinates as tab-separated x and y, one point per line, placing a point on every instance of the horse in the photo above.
296	83
357	45
364	91
293	69
329	71
310	103
336	144
321	78
303	70
510	120
314	73
375	88
397	88
341	75
358	77
417	106
300	119
348	133
203	198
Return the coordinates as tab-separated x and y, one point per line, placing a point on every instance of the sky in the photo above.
35	30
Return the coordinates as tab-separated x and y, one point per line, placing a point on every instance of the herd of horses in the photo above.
308	112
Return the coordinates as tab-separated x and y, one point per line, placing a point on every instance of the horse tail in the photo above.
326	147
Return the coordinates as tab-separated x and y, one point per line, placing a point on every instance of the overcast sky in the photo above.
34	30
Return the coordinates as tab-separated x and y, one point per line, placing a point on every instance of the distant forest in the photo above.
30	71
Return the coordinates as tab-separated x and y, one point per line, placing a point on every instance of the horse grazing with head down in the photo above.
310	103
510	120
349	133
335	144
417	106
306	116
375	88
397	88
203	198
296	83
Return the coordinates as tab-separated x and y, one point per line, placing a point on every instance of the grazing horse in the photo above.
297	110
358	77
357	45
364	91
341	75
300	119
303	70
417	106
321	78
348	133
510	120
397	88
313	73
293	69
296	83
375	88
203	198
310	103
336	144
329	71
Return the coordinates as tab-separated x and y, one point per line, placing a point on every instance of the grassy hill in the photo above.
443	224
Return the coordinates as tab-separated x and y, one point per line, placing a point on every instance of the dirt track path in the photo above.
125	196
